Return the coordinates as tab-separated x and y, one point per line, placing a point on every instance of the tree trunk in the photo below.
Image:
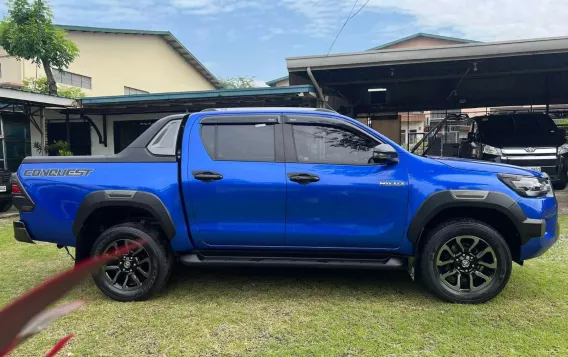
51	85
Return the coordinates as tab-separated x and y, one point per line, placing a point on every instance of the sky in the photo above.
253	37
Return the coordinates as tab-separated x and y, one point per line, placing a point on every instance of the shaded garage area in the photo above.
377	85
21	111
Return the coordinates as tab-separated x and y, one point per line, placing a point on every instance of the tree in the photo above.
237	82
28	33
39	85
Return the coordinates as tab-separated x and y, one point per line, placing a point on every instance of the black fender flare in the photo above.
137	199
437	202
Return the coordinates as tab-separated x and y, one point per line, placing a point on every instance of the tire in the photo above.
5	205
484	251
140	273
559	185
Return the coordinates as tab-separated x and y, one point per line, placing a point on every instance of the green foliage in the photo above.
59	148
28	33
237	82
39	85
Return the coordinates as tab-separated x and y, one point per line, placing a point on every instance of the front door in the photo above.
235	182
337	197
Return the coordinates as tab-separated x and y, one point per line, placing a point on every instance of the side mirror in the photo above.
385	154
471	137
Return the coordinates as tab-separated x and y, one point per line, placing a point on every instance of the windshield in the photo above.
520	130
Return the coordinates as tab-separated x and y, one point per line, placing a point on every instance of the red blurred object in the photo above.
59	345
24	317
16	189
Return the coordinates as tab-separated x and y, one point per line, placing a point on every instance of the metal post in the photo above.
44	132
105	140
321	98
407	130
68	128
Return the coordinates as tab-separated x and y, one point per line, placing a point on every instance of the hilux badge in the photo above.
392	183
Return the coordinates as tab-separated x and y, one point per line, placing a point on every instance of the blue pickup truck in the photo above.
286	187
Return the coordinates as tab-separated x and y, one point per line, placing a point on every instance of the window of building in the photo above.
246	142
403	136
72	79
16	134
164	143
331	145
412	136
132	91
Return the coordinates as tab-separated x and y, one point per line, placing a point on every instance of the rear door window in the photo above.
240	142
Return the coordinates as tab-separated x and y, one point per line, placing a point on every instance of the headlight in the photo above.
527	186
563	149
490	150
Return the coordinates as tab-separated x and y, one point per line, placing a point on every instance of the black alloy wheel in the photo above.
466	263
129	271
141	272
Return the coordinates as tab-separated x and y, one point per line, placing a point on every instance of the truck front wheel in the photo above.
465	261
138	274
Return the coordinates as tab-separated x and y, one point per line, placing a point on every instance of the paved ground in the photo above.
13	212
562	197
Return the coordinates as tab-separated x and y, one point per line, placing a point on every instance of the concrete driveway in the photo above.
562	197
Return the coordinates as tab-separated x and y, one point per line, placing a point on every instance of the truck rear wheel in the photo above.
466	262
138	274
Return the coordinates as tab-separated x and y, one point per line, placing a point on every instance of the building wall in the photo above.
421	42
11	68
283	83
100	149
113	61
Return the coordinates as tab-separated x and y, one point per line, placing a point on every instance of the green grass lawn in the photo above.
254	312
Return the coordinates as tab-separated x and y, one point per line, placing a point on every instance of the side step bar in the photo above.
319	262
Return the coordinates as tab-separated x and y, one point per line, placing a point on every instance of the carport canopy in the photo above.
457	76
188	102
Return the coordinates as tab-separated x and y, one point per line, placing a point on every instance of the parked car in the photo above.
286	187
5	191
529	140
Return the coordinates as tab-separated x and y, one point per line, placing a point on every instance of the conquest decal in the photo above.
58	172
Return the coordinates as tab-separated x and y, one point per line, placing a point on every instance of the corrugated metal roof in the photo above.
210	94
44	100
460	52
166	35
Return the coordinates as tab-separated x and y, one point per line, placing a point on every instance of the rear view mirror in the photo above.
384	154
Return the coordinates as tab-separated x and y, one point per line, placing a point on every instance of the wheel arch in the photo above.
496	209
101	206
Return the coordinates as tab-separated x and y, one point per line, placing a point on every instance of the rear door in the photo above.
235	181
336	196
